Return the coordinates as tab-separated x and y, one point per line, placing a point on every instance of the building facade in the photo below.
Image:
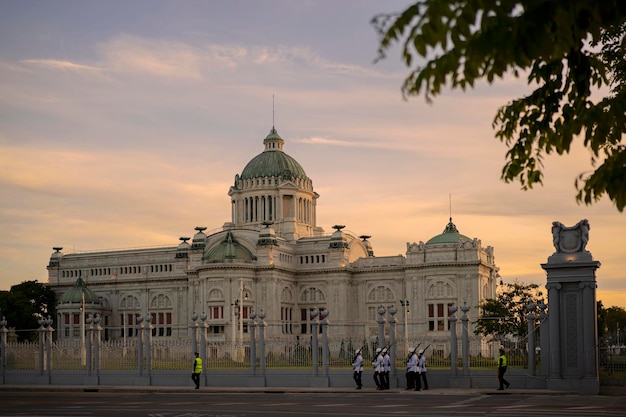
272	255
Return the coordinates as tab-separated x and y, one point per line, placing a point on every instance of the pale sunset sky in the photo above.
123	124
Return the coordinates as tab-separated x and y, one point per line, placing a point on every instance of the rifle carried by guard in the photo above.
408	358
356	354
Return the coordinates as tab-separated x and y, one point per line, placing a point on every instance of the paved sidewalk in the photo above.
174	389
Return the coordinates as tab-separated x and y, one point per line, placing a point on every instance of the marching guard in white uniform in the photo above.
378	369
358	369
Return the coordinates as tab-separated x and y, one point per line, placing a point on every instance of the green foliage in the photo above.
506	314
613	322
564	48
24	304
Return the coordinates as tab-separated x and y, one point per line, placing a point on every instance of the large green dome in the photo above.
450	235
273	162
75	294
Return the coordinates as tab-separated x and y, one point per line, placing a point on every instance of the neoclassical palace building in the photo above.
272	255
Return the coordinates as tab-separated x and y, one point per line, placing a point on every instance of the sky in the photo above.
123	125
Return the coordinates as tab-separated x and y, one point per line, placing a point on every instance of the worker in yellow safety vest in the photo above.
197	370
502	370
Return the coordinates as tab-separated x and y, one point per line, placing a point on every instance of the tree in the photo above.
505	315
565	48
615	322
24	304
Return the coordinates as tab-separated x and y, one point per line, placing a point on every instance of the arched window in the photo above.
161	301
312	295
380	294
130	302
440	289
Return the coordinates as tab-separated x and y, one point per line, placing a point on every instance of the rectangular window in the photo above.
437	317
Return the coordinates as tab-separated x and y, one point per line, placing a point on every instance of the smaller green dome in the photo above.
273	161
229	249
450	235
75	294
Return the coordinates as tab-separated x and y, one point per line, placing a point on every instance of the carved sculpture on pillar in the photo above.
570	240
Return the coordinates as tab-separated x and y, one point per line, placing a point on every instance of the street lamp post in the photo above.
405	304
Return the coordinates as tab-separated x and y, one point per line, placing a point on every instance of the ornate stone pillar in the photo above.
203	328
42	336
252	327
88	344
381	326
148	343
571	284
97	338
262	341
314	344
325	352
392	338
193	327
454	355
49	330
139	319
465	338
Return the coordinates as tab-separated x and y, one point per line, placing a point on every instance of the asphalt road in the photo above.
298	404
